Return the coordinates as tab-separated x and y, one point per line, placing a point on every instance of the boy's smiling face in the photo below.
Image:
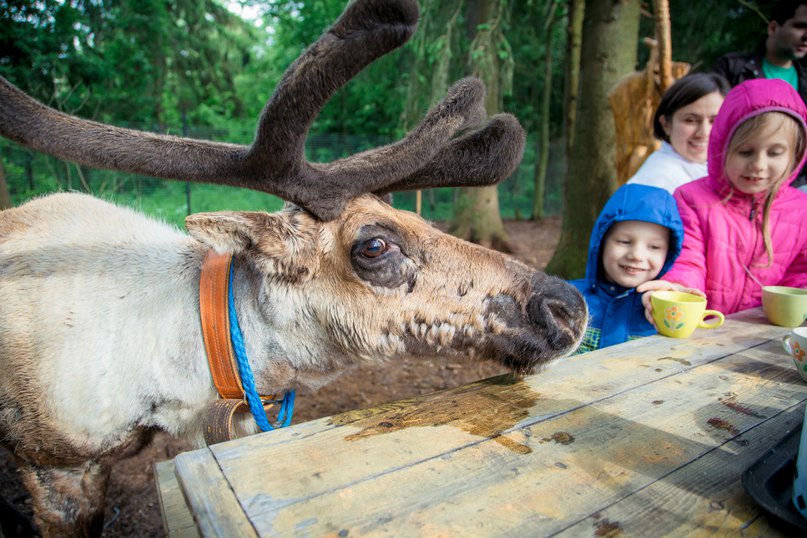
634	252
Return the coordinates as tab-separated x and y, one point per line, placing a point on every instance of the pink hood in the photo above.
724	251
746	100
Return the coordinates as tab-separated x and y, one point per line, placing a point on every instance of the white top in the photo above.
665	168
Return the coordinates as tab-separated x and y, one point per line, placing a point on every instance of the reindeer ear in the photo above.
228	231
277	243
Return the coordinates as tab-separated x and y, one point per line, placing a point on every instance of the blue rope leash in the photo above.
247	380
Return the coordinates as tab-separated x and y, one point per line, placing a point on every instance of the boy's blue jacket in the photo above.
616	314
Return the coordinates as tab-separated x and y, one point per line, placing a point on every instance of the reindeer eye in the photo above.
377	258
373	248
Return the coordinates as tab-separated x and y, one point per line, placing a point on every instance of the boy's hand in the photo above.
660	285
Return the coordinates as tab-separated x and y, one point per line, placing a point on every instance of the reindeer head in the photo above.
382	282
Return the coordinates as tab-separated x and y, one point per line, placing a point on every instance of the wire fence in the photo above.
30	174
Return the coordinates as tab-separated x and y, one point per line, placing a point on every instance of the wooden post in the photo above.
664	39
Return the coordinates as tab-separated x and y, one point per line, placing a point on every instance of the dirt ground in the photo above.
132	505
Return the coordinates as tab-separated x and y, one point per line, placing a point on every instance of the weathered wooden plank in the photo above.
333	458
705	498
576	463
215	508
474	412
177	519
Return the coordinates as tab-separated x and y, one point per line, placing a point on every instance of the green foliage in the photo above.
370	103
703	31
33	174
127	60
169	203
527	34
491	55
434	49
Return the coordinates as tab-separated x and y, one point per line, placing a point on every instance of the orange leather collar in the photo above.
214	310
213	290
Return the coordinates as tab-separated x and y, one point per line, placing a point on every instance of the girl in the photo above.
682	122
744	225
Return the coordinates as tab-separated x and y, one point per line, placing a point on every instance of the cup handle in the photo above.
786	344
712	324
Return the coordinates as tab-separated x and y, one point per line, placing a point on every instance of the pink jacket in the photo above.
724	253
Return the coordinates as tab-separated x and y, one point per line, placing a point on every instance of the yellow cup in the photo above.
678	314
795	344
785	306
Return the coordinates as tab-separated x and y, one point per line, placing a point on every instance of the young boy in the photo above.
636	238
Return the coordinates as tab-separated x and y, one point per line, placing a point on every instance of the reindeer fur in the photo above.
100	338
100	341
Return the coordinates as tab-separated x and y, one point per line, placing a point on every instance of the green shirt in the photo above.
788	74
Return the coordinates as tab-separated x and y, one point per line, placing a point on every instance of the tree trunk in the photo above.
610	36
543	144
476	225
577	10
477	218
5	196
664	39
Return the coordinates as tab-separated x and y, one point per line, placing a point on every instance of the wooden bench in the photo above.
177	519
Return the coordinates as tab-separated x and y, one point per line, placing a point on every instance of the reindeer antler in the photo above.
275	162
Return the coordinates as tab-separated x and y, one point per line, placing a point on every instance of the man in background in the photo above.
781	55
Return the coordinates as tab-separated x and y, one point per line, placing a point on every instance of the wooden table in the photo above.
647	438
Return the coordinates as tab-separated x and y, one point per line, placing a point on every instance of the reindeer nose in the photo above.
558	309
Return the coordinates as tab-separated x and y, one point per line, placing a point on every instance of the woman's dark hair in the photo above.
683	92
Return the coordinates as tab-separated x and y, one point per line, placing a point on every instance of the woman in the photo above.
682	122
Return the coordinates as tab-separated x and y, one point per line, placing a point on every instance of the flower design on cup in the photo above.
673	317
798	352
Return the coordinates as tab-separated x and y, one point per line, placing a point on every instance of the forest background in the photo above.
205	69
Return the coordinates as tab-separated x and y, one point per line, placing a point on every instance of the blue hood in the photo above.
636	202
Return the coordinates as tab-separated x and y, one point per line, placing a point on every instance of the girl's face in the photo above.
761	160
690	126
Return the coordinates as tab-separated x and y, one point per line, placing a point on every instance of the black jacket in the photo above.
738	67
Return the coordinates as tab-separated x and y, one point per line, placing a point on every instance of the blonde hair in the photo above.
766	123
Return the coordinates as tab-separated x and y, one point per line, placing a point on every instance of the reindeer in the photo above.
101	339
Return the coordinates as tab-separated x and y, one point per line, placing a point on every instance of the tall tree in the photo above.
542	159
490	58
610	37
574	46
